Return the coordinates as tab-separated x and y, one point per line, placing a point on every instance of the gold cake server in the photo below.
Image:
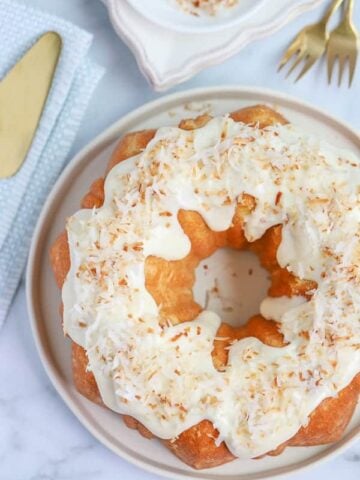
23	94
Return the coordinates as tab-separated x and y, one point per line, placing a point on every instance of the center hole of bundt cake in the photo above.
231	283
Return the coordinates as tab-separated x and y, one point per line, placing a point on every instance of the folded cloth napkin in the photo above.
22	196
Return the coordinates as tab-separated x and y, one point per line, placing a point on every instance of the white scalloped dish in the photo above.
167	57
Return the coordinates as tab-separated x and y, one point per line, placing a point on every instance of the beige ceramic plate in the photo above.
44	297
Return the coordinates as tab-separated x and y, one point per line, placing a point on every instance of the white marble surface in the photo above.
39	437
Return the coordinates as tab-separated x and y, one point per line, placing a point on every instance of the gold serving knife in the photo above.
23	94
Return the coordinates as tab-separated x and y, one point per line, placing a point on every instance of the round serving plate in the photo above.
44	297
166	13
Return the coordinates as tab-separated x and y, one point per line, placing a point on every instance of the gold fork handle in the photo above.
333	7
349	10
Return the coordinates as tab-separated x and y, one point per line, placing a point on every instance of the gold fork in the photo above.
310	43
343	44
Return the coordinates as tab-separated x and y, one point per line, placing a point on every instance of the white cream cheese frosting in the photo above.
164	376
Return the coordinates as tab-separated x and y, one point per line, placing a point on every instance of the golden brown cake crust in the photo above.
196	446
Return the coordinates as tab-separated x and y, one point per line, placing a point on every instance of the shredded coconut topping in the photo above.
164	376
206	7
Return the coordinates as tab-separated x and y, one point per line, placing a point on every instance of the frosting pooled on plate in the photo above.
164	375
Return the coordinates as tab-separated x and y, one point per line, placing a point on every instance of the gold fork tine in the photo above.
352	66
310	62
342	61
330	66
296	63
293	48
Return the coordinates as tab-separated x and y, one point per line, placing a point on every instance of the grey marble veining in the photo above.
40	439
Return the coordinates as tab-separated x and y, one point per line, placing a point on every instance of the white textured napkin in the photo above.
22	196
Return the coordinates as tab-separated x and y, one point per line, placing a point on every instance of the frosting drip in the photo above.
164	376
